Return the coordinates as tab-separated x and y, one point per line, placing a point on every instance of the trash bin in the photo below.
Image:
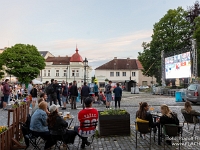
132	90
178	96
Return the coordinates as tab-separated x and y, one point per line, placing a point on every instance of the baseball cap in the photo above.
53	108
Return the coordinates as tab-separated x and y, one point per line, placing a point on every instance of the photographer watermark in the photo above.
186	141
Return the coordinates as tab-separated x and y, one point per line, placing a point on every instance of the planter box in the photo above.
114	125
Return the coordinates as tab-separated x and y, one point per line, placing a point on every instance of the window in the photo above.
49	73
101	84
117	74
57	73
112	74
73	73
133	74
65	73
144	83
123	74
45	73
77	73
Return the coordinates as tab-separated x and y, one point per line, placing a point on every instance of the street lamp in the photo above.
66	72
85	63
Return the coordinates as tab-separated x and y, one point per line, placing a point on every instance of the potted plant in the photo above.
114	122
2	129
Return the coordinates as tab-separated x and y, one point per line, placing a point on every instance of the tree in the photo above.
170	34
196	36
22	61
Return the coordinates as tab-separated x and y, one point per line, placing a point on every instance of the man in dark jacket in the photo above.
118	94
85	92
74	94
6	93
53	95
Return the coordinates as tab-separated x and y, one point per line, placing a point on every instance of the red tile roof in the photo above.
76	57
120	64
59	60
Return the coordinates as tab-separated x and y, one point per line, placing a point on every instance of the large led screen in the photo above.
178	66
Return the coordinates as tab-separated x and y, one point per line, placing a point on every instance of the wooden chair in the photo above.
143	128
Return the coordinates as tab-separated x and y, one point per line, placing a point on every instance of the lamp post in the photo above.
85	63
66	72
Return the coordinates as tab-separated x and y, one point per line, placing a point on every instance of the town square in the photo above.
99	75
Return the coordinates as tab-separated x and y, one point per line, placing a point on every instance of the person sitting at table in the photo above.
168	117
144	114
188	109
37	107
58	126
38	125
88	118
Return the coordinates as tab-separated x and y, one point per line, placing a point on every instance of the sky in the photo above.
101	29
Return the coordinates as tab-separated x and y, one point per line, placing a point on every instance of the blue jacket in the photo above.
118	92
95	89
85	91
39	121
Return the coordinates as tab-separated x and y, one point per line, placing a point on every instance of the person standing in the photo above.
34	96
1	95
58	92
51	90
74	94
108	91
64	95
6	93
96	91
85	92
118	95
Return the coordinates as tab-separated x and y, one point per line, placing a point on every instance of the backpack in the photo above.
50	89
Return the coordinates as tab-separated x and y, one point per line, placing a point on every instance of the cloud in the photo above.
100	51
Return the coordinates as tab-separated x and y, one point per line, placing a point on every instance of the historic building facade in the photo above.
121	70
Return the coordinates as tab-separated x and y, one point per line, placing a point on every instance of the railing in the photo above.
10	138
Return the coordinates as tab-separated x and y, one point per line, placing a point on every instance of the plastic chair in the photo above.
189	119
172	130
143	128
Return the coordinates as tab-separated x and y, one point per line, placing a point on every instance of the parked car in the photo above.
143	87
192	93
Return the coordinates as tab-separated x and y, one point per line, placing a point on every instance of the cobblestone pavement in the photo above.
130	103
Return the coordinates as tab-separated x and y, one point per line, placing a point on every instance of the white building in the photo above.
65	69
121	70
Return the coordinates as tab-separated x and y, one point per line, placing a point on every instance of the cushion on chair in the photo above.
140	120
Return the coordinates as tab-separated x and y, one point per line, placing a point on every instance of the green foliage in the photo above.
171	33
196	35
22	61
113	112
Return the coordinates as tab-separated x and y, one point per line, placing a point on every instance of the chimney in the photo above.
115	57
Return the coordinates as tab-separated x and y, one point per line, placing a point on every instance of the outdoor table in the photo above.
155	116
70	121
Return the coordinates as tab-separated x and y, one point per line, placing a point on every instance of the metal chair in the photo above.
172	130
83	127
189	119
29	138
143	128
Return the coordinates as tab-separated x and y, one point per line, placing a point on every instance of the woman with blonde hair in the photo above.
188	109
38	124
168	117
